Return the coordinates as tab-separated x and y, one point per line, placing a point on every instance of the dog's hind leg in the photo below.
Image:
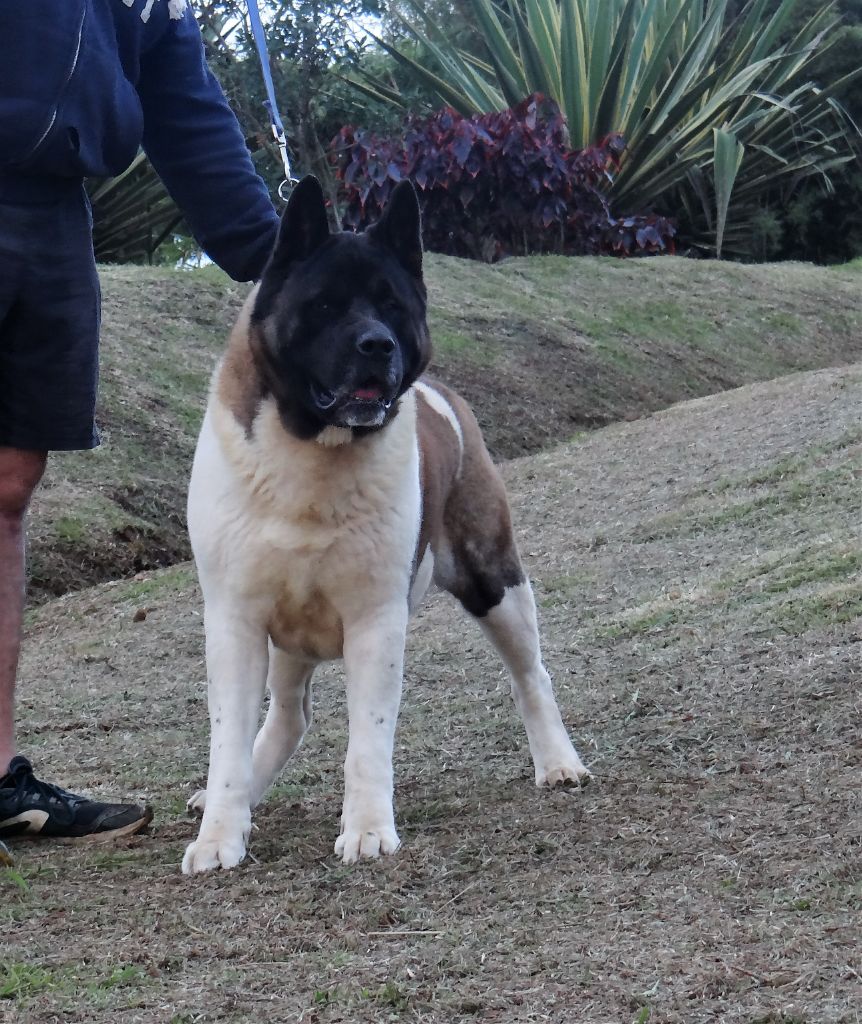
469	529
477	561
511	627
288	718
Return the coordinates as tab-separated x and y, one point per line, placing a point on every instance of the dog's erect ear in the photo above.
304	227
400	227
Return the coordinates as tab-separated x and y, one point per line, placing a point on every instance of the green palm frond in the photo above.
132	214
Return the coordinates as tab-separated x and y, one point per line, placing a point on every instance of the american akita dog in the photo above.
330	486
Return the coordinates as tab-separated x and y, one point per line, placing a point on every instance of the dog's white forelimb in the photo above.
374	663
237	661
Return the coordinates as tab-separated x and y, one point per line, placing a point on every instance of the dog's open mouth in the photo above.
364	405
369	393
372	394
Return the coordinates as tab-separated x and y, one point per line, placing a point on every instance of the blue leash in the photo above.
271	105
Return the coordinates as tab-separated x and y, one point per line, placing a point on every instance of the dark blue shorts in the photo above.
49	316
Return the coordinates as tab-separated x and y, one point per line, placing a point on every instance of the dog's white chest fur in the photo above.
304	533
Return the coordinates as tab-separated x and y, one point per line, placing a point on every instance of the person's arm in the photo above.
195	144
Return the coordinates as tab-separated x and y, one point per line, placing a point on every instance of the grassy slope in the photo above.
698	574
542	347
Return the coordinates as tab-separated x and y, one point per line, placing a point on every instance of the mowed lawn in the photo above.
699	579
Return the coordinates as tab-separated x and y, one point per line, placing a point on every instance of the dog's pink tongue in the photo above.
367	394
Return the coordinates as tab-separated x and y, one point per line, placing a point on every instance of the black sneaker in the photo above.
37	809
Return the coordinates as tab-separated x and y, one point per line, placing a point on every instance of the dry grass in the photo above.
699	585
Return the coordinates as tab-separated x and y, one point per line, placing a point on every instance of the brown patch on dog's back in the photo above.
439	462
466	516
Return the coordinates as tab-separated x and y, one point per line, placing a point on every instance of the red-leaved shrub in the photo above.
496	185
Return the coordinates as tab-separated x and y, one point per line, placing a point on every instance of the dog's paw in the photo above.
210	854
368	844
565	776
196	803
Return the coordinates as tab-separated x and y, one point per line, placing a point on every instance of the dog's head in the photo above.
340	331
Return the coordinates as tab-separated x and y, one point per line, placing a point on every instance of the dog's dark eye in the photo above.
318	308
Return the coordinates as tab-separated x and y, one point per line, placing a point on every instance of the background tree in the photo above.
307	41
817	223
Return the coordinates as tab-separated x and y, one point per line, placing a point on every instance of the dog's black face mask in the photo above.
341	330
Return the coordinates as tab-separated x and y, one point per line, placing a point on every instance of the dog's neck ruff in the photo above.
332	437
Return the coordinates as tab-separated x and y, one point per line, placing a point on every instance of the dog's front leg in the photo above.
374	662
237	658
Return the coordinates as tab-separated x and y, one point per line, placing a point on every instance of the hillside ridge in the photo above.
543	348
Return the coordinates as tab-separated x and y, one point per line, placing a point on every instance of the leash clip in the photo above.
286	187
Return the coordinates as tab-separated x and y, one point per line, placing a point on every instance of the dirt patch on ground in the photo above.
698	575
543	348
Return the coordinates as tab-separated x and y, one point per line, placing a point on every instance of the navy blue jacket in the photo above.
84	83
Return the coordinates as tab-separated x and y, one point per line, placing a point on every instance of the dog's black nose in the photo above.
378	342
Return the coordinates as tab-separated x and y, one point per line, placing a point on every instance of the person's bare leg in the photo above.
20	472
28	805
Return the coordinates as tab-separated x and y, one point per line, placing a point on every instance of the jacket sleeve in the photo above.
194	141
